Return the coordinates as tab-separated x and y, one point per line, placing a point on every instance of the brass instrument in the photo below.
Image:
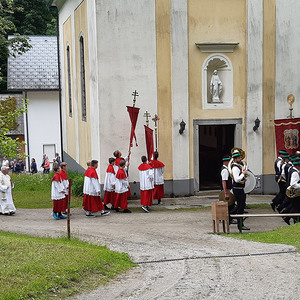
292	192
243	165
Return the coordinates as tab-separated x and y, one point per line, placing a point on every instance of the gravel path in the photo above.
176	234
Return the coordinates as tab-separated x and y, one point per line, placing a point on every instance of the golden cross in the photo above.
147	116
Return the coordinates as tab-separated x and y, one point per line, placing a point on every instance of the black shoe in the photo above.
127	211
159	201
145	209
105	207
286	220
233	222
117	209
273	206
112	208
245	228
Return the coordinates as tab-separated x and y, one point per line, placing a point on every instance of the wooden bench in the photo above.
240	217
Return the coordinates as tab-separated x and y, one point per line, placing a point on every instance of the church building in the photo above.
224	68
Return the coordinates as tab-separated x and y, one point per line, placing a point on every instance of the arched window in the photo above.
222	64
69	80
82	79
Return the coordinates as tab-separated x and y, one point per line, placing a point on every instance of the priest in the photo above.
7	206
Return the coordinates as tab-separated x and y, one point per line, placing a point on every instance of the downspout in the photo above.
59	84
27	131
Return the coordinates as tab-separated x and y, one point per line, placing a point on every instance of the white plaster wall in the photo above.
93	81
254	84
126	61
43	123
180	97
287	57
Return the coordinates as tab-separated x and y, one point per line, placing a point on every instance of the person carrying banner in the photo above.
146	184
92	202
121	189
109	184
158	169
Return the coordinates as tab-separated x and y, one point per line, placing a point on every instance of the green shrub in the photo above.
77	183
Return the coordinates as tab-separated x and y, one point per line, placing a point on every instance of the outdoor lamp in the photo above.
256	122
182	127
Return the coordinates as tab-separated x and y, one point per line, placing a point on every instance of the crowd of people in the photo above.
287	176
116	186
18	165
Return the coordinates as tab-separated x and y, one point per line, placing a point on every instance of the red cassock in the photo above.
109	194
64	176
121	197
146	185
91	203
159	192
59	205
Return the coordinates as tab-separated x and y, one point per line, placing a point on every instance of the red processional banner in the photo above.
287	135
149	142
133	114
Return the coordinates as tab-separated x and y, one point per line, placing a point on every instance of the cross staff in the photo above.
155	120
134	94
147	116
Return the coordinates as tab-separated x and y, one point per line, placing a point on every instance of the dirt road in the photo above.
176	234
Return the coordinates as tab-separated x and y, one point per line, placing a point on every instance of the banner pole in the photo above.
68	211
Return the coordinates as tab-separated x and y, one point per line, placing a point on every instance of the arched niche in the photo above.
223	65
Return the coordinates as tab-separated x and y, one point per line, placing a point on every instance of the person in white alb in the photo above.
109	184
146	184
158	168
58	194
7	206
92	202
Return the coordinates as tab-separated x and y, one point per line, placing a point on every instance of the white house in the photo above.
35	74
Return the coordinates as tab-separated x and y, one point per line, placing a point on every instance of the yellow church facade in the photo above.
168	50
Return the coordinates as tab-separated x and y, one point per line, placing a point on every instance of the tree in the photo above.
21	18
9	112
17	45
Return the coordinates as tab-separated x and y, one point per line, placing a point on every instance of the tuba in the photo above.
231	162
292	192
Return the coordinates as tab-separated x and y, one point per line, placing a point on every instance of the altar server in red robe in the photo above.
146	184
92	202
58	194
158	168
109	184
121	189
64	177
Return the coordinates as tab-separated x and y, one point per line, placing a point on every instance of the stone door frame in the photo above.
196	123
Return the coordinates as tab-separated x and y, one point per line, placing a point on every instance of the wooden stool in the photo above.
219	210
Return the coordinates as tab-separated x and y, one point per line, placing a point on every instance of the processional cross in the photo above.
155	120
134	94
147	116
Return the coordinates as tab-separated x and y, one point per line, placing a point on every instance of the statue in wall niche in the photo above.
216	87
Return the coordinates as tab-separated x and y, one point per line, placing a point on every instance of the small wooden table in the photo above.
219	210
240	217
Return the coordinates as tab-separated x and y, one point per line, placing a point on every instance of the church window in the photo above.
82	79
69	80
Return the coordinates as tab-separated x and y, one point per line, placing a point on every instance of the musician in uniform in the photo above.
239	176
227	185
294	183
278	162
280	169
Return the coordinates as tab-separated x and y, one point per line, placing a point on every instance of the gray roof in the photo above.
36	69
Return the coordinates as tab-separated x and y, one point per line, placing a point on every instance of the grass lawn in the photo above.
45	268
34	191
289	235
